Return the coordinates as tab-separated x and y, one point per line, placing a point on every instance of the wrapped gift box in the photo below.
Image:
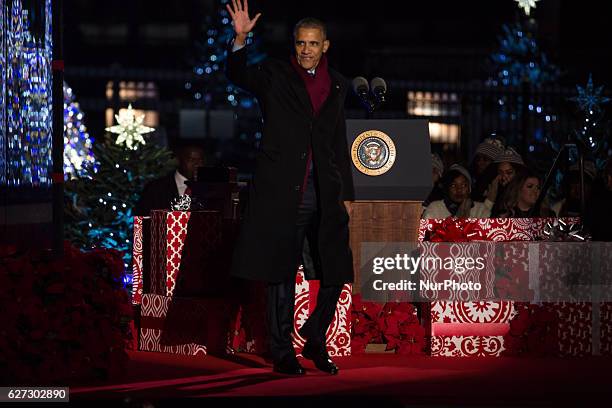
338	337
190	251
478	328
189	326
182	325
138	260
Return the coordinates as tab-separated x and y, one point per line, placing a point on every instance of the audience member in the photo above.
456	185
159	193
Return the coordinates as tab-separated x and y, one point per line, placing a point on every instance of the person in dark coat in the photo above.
302	176
159	193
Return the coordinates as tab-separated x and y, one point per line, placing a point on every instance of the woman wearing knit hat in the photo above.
483	169
456	184
486	153
509	164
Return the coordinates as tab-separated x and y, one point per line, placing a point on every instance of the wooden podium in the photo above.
381	221
391	172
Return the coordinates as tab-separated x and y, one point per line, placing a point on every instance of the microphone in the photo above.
362	89
379	89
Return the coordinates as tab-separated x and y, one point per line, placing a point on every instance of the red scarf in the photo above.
317	85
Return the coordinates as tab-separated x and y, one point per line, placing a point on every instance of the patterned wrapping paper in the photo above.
338	334
183	242
477	328
154	310
585	327
137	261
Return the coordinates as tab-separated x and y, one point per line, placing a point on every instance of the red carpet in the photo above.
385	380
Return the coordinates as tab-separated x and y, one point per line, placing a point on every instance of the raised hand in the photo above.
239	12
493	188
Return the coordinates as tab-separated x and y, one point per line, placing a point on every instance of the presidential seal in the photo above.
373	152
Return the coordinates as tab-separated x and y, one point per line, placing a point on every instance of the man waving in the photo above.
295	213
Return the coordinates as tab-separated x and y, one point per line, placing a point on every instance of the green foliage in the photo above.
99	203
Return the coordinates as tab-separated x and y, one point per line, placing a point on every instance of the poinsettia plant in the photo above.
393	323
63	318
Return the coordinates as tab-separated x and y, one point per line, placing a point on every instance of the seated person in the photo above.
436	174
159	193
520	196
509	164
456	185
485	154
570	205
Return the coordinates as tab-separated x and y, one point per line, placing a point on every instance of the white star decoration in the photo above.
130	129
527	5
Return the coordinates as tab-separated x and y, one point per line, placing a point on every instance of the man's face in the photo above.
310	44
189	160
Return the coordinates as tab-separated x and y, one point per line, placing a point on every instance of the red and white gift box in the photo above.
189	326
137	261
154	311
338	336
461	329
170	231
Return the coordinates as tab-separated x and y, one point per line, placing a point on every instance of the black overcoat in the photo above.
266	248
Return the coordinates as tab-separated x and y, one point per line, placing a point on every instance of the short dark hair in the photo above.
310	22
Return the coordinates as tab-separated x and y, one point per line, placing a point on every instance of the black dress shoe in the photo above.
320	358
289	365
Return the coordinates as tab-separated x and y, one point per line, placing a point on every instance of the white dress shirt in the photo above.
180	180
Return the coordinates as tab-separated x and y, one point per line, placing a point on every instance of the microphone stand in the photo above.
551	174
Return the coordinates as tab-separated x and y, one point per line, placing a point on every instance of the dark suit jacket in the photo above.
157	195
267	242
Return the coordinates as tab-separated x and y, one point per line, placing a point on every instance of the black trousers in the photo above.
281	296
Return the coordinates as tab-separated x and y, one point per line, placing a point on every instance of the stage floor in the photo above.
390	380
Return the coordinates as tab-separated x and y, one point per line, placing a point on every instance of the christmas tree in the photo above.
100	199
519	60
212	91
78	144
519	71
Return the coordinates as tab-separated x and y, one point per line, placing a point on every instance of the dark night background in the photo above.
445	41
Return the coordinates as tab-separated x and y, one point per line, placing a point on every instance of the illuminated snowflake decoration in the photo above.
589	97
527	5
129	128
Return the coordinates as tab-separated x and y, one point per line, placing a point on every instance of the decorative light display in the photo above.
589	98
593	129
25	105
527	5
77	142
519	58
211	86
130	129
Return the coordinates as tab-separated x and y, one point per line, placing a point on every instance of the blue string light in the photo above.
26	98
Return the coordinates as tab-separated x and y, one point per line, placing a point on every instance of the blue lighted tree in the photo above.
211	90
78	144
